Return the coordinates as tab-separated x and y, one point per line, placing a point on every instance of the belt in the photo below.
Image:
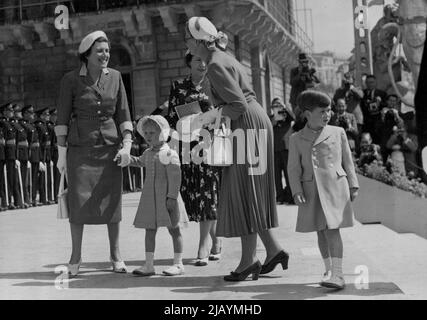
35	145
23	144
101	117
47	144
11	142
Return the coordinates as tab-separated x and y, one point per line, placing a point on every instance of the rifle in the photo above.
21	188
52	191
6	187
30	179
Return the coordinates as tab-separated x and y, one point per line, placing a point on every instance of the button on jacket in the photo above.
21	141
33	141
91	113
9	132
323	165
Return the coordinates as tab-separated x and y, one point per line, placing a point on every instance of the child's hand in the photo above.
354	192
299	199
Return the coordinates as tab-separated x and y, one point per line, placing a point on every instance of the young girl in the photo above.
323	182
161	204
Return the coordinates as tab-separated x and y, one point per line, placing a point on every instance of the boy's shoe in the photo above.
175	270
326	276
144	272
335	282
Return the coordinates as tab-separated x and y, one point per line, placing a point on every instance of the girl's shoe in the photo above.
144	272
282	257
175	270
73	269
201	262
254	269
118	266
215	254
335	282
326	276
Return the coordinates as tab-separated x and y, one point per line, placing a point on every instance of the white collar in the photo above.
83	70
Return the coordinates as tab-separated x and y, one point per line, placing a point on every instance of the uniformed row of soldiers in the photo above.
28	156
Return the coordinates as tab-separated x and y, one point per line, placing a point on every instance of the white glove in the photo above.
208	117
123	156
62	159
42	167
17	164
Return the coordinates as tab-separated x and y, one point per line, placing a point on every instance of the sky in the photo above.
333	23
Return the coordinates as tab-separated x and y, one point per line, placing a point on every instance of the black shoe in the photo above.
11	207
254	269
282	257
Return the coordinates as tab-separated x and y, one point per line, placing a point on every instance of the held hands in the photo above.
299	199
123	156
62	159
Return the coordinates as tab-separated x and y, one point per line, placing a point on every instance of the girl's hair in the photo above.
310	99
220	43
83	56
188	58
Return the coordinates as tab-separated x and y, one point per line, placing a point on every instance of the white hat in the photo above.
88	41
202	29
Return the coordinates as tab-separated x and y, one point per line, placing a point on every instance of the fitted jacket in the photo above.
327	162
91	114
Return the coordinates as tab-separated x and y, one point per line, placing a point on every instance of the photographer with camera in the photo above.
374	100
368	151
347	121
403	146
282	119
302	78
352	96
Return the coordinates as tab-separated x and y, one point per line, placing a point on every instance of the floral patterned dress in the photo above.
200	183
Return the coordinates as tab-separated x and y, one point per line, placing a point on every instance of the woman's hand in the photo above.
208	117
62	159
354	192
123	156
299	199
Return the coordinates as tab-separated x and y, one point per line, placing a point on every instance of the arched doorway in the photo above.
121	60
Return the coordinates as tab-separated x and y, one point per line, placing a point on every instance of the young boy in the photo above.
323	182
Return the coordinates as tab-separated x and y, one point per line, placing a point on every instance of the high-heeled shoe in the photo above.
118	266
282	257
253	269
73	269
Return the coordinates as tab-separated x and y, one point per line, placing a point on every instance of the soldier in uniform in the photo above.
3	202
34	151
45	154
10	134
22	152
54	152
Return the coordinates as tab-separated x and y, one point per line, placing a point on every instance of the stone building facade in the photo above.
148	47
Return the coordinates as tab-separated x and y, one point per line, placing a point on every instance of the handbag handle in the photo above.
218	125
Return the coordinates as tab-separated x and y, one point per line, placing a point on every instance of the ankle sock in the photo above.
337	267
328	264
177	258
149	260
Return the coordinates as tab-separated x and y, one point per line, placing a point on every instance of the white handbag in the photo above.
62	212
220	152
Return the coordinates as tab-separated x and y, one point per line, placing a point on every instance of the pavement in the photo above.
34	247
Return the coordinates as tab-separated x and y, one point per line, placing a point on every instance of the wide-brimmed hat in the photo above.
303	57
88	41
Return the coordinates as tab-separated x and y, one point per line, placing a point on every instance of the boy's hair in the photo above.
310	99
365	134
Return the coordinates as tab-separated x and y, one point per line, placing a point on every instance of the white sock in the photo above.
177	258
337	267
149	260
328	266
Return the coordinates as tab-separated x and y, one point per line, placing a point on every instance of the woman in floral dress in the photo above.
200	182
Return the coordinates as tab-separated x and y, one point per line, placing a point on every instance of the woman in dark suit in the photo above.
93	120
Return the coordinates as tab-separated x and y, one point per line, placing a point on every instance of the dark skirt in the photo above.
94	185
247	201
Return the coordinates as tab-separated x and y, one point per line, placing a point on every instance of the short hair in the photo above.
365	134
83	56
310	99
392	95
371	76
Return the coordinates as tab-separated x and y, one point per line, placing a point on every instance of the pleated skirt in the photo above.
247	202
94	185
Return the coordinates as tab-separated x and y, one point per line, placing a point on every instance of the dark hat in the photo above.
17	107
40	111
52	110
303	57
25	108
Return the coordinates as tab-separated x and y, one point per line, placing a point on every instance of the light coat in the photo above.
321	167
